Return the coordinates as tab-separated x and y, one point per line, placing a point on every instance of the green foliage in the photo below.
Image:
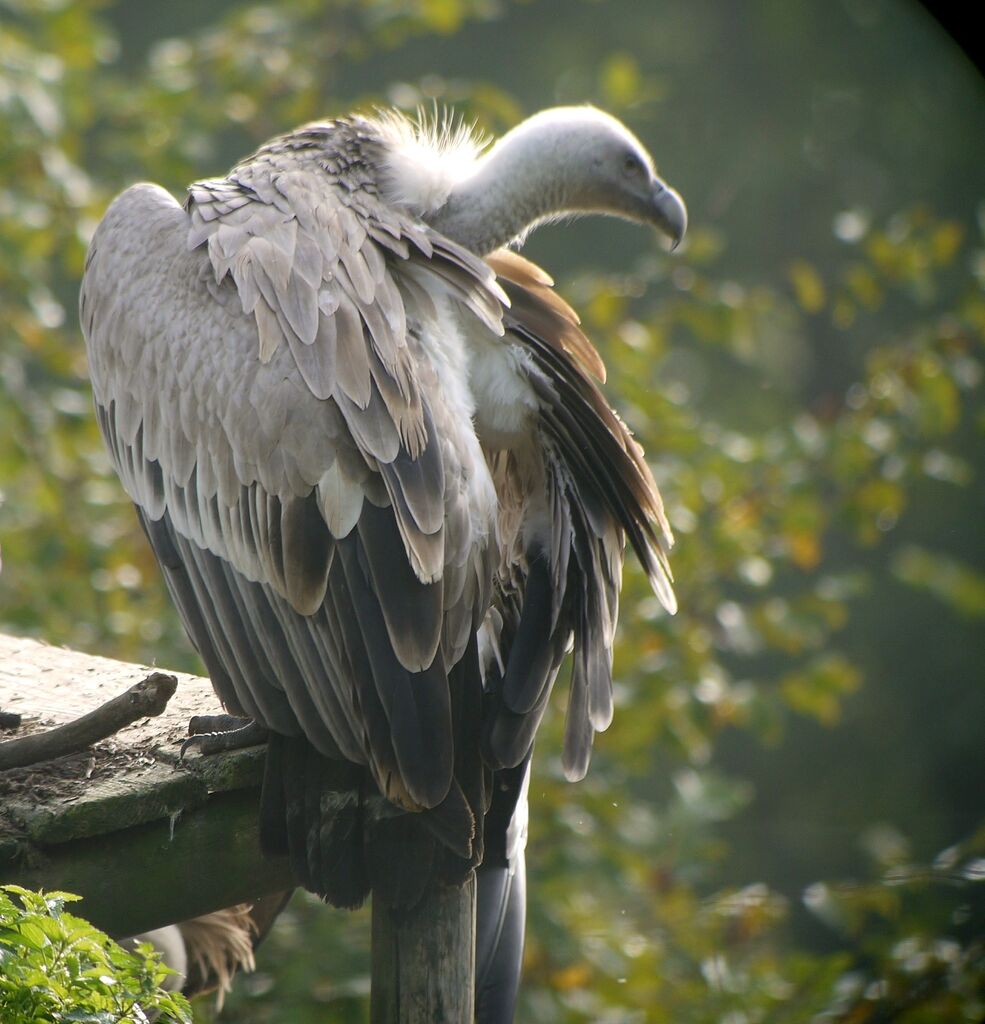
961	587
55	966
806	377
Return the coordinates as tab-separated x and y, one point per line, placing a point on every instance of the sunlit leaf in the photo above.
808	286
958	585
819	689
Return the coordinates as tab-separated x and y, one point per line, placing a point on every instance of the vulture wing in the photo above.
562	588
305	468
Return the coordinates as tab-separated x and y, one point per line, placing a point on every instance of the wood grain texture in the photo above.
424	959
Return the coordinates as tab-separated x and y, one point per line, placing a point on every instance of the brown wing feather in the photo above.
598	490
540	308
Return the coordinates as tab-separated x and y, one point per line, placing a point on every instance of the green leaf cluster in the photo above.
55	966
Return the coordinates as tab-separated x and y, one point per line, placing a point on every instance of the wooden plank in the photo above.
130	778
163	871
49	686
144	838
424	959
148	840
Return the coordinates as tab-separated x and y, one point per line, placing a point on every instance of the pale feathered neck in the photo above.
425	157
553	164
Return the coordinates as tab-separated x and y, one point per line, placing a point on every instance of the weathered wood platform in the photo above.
146	840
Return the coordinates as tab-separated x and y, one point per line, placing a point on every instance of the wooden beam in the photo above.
145	839
161	872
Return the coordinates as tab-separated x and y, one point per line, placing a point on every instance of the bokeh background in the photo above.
786	820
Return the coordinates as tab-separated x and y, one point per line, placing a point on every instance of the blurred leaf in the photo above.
950	581
621	80
819	688
808	286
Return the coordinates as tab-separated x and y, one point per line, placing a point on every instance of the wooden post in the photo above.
424	959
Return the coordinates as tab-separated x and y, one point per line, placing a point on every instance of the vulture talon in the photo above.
199	724
219	741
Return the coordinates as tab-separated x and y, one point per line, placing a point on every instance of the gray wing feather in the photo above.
258	381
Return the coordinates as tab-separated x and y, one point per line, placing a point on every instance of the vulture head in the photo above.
561	162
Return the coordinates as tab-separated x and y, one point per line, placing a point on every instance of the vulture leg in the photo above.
501	918
502	899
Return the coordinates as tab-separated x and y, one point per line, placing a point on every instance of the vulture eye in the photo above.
632	165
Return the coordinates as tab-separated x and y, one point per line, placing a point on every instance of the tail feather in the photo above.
345	839
311	808
401	856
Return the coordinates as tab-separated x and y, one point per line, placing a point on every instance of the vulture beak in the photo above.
668	212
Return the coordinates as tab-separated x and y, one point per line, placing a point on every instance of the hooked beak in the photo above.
668	212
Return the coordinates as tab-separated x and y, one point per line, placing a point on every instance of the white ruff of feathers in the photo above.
427	155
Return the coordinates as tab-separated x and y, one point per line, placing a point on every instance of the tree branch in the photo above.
145	699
